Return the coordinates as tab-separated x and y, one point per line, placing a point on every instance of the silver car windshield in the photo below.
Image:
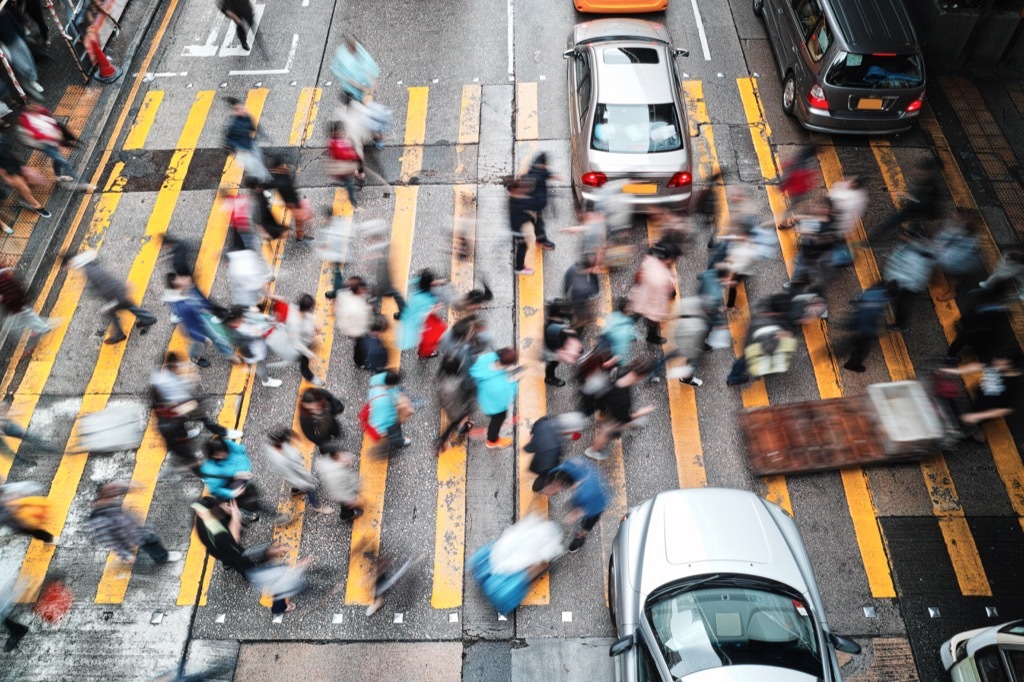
636	128
876	71
720	625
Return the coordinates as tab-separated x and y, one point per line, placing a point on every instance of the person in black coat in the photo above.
548	437
318	419
540	175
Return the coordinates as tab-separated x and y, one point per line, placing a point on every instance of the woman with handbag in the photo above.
653	291
422	302
496	386
385	410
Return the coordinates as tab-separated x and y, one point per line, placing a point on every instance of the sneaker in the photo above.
554	381
324	509
547	245
7	229
855	368
271	382
43	213
35	86
53	542
374	607
692	381
233	434
575	545
595	454
500	444
202	362
193	432
526	272
65	178
173	557
318	382
116	338
329	295
406	442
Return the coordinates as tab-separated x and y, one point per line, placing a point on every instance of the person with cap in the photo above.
540	175
113	528
589	495
112	291
547	441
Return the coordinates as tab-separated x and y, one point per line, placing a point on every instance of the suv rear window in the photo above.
876	71
629	55
636	128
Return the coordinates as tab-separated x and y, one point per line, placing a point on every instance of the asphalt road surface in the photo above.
477	88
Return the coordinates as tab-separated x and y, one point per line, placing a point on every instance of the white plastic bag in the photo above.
530	541
720	337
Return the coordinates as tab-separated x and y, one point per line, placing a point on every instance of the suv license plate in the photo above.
869	104
640	188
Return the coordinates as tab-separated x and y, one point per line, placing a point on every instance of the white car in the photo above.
993	654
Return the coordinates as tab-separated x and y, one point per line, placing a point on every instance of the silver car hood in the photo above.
708	531
750	673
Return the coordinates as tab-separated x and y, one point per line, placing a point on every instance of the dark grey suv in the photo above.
848	66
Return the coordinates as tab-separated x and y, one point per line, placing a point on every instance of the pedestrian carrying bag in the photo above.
433	329
364	419
909	267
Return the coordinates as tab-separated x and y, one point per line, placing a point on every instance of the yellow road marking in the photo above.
826	368
532	399
373	471
963	551
139	131
450	517
45	354
69	472
151	454
306	109
289	535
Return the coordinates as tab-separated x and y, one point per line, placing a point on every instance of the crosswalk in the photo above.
415	232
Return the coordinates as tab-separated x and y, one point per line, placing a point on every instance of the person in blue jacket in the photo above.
421	301
621	332
227	472
589	495
496	385
383	400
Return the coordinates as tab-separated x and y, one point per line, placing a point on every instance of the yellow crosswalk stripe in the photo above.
450	517
150	456
305	116
288	536
826	369
963	552
69	472
373	470
45	353
531	399
144	120
198	569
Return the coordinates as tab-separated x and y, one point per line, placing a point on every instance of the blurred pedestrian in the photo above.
589	495
198	320
539	174
690	332
521	202
240	137
114	529
455	387
421	303
982	317
249	329
14	300
768	348
282	177
355	69
958	252
653	291
346	163
33	9
318	418
241	14
340	479
496	386
285	460
796	183
548	437
302	328
561	340
386	403
40	130
9	596
580	287
922	203
333	245
616	406
999	393
12	42
112	291
15	174
227	474
866	322
1009	269
910	267
26	512
620	332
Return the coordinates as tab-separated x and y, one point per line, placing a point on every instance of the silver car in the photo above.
992	653
626	117
715	584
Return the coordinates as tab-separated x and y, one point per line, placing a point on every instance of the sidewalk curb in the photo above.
45	233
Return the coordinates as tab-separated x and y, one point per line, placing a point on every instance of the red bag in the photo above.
433	329
341	149
281	311
364	421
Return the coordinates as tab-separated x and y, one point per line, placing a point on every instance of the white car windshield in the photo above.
721	623
636	128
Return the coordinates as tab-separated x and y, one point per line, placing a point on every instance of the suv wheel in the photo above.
611	594
788	94
759	7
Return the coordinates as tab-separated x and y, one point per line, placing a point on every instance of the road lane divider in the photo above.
373	470
72	465
450	516
826	368
144	119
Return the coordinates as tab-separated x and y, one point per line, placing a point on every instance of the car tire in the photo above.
759	7
611	594
788	94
